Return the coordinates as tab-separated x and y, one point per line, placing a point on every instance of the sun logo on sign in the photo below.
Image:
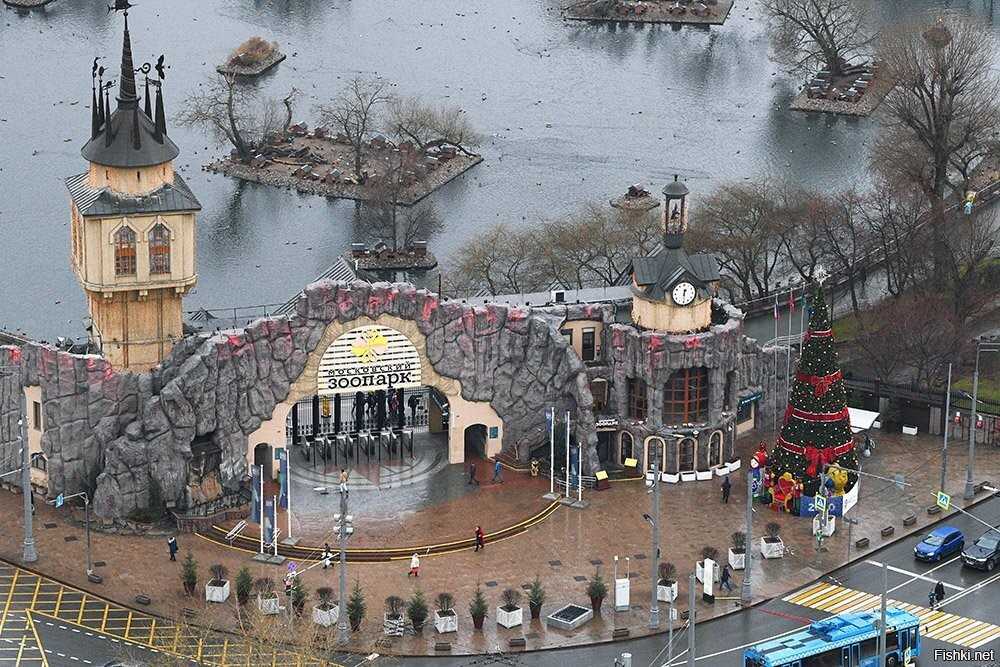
369	345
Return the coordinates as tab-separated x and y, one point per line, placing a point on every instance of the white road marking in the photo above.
933	569
914	575
971	589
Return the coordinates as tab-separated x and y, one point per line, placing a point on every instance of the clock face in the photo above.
683	293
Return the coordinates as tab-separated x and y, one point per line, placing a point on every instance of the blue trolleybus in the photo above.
847	640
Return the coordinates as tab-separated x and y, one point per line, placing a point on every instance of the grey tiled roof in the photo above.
103	202
341	270
657	274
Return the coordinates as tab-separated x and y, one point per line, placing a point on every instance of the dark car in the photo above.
984	553
940	542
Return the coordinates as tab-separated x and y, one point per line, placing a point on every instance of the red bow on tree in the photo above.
816	458
820	383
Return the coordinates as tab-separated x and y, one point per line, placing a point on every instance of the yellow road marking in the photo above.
10	597
38	641
104	619
83	605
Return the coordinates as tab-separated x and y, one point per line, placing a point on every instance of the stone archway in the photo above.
626	447
263	456
655	441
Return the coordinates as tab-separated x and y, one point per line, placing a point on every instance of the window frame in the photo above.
685	396
637	398
159	248
125	243
590	347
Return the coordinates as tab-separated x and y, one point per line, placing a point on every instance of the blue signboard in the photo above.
283	478
255	488
268	521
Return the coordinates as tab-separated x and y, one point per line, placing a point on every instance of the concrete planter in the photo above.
909	430
446	621
775	549
737	561
326	617
699	571
510	619
569	617
670	478
703	475
214	593
689	476
831	525
666	593
268	606
721	470
735	465
392	627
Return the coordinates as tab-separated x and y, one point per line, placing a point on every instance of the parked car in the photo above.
984	553
940	542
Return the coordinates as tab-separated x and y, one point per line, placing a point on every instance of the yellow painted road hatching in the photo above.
940	625
51	602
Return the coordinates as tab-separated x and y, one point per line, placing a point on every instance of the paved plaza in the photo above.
564	550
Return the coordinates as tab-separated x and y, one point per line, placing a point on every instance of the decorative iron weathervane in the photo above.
120	6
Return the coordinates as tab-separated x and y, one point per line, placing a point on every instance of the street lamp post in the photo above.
342	615
969	484
654	605
947	428
746	590
29	553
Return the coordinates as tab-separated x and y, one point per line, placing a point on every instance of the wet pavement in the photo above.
563	551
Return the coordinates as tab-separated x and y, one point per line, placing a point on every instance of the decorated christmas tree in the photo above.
817	425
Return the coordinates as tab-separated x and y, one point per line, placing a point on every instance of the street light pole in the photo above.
342	615
30	554
654	605
746	594
969	491
947	428
691	617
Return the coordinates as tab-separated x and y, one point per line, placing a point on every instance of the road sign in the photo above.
820	503
59	500
900	481
943	500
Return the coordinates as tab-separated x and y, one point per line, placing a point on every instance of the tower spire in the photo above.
107	119
147	102
95	119
126	88
160	130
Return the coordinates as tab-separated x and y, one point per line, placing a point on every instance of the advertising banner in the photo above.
368	358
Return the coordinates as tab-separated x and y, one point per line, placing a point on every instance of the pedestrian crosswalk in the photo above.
940	625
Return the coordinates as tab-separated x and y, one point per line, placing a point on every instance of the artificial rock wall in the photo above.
113	432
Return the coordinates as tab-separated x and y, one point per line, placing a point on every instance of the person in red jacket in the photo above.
480	538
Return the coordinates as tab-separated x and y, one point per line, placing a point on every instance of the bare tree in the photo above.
738	223
381	218
233	113
892	217
355	113
500	260
411	119
944	113
802	217
847	241
813	34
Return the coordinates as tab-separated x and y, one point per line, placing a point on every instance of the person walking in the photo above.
938	593
480	539
343	482
414	566
172	545
931	599
725	581
327	555
727	486
472	475
497	472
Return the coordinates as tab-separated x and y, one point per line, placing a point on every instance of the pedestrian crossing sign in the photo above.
59	500
943	500
820	504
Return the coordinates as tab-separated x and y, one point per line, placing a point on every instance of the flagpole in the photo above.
261	496
274	525
579	470
774	412
788	347
288	490
552	451
567	453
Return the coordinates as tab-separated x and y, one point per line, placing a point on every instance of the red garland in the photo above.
820	383
816	457
825	333
818	416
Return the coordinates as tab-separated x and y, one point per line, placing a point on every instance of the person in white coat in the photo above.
414	566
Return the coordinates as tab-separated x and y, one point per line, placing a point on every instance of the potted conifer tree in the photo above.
356	607
597	590
416	611
666	583
217	588
738	550
189	574
478	608
327	611
509	613
536	597
445	618
244	585
771	545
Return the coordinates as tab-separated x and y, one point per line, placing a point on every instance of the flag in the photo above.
255	488
283	477
776	308
791	302
268	521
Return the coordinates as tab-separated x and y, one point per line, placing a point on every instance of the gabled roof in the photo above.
656	275
103	202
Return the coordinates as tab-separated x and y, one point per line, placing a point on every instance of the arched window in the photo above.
627	447
159	249
715	442
685	396
686	455
125	252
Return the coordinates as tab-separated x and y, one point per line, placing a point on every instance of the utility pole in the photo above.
692	584
342	615
947	428
654	605
881	628
746	594
969	490
30	554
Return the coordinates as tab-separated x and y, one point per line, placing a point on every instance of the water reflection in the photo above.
570	112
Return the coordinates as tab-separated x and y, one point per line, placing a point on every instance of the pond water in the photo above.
570	112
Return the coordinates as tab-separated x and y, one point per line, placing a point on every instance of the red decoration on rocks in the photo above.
692	343
430	305
15	354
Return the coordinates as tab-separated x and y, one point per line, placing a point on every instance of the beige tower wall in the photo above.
136	332
669	317
138	181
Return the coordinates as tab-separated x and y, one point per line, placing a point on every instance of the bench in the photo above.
887	531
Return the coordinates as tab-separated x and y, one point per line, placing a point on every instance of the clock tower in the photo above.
132	226
672	290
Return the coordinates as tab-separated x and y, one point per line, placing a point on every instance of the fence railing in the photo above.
917	393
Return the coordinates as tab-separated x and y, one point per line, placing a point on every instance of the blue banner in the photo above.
255	488
758	482
283	478
835	504
268	521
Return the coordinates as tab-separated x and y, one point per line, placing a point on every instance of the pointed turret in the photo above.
136	138
107	121
126	86
95	119
148	109
160	130
101	114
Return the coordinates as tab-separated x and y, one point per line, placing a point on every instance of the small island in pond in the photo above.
252	58
700	12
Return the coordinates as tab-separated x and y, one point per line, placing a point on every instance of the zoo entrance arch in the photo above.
329	369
